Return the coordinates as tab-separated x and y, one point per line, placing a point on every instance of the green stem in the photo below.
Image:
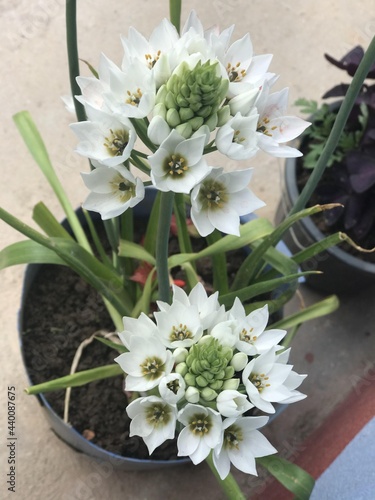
219	265
229	484
165	214
175	13
338	127
73	60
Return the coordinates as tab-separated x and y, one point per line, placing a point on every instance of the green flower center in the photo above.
200	424
260	381
123	188
158	415
212	194
116	142
232	437
180	332
152	368
175	165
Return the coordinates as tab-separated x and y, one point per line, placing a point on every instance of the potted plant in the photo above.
195	359
348	180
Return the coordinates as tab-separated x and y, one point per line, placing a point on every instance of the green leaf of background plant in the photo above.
135	251
292	477
114	345
48	222
27	252
77	379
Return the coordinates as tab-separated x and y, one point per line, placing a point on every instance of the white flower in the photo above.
153	53
274	127
237	139
232	403
114	190
104	138
180	326
178	164
142	326
253	338
172	388
265	380
220	199
146	363
209	309
201	433
241	443
153	419
293	380
131	93
226	333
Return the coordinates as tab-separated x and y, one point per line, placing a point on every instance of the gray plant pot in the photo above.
343	273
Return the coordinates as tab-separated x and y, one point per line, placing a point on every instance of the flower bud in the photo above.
231	384
181	368
192	395
208	394
180	354
190	379
239	361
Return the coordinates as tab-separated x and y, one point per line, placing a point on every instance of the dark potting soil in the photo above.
60	312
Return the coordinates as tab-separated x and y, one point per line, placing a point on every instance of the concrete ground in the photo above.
337	352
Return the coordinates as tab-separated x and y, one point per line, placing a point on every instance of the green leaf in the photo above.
27	252
48	222
77	379
292	477
249	232
135	251
152	226
113	345
37	148
143	304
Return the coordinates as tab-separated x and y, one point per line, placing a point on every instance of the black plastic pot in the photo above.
343	273
65	431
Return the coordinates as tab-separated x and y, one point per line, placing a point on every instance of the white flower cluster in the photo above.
199	369
185	96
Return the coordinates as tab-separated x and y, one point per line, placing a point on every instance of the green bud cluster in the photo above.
207	367
192	98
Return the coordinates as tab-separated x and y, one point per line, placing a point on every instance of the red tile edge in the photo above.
327	442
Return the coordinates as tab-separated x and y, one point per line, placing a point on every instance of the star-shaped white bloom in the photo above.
155	53
114	190
104	138
209	309
146	363
220	200
237	139
153	419
179	326
131	93
178	164
253	338
240	444
265	380
275	128
202	432
142	326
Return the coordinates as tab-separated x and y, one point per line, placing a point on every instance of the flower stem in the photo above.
175	13
71	40
229	484
165	214
338	127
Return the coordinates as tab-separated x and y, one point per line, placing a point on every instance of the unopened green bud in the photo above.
192	395
208	394
186	114
160	110
217	384
190	379
161	94
223	115
201	381
185	129
231	384
229	372
239	361
173	118
181	368
170	101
